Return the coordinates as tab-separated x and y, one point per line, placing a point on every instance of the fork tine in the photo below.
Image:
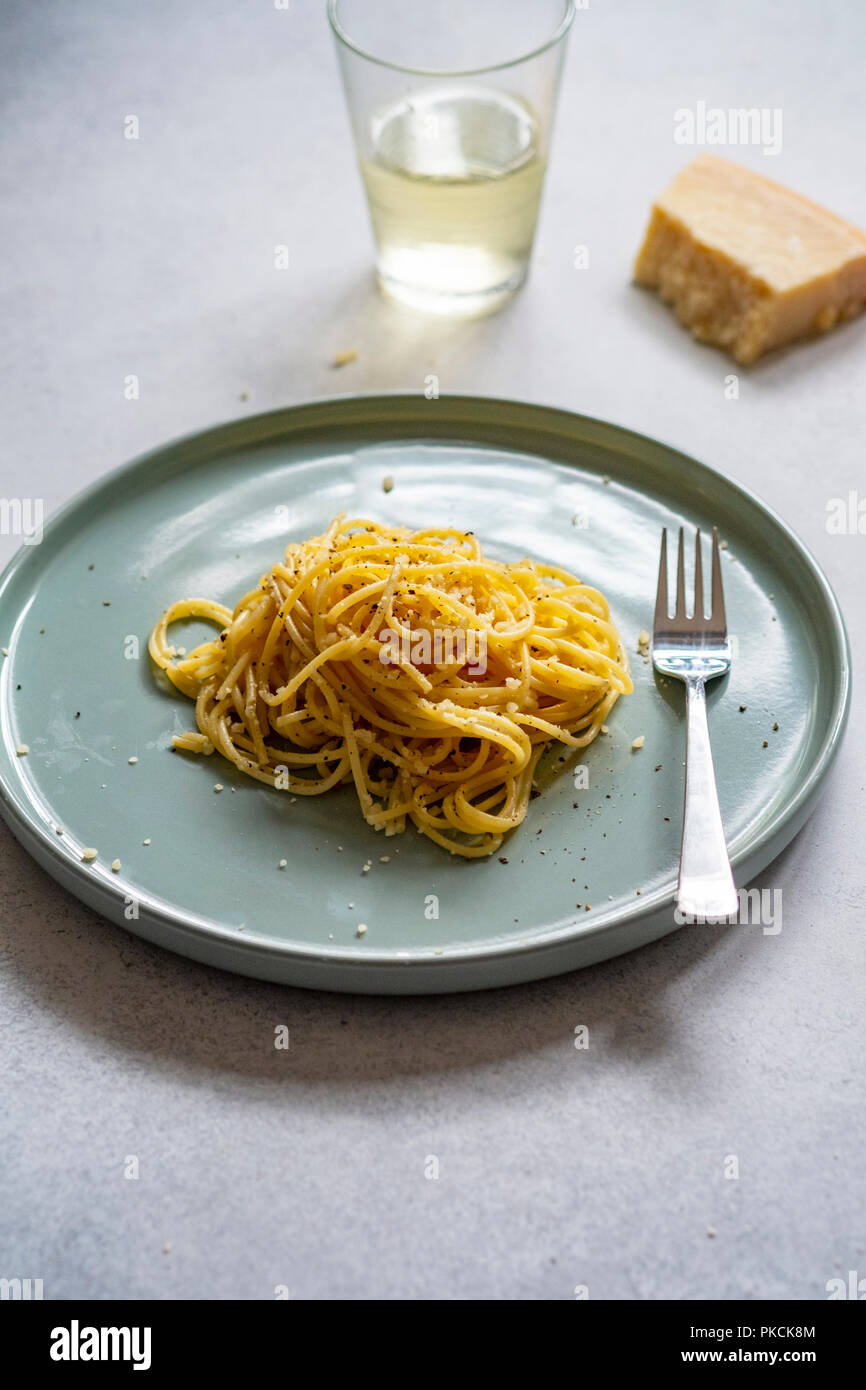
661	614
680	608
717	612
699	580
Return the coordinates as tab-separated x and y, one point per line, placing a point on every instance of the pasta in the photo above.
409	663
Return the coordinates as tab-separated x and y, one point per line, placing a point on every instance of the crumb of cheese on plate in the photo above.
748	264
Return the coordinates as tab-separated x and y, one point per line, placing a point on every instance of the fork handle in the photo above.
706	885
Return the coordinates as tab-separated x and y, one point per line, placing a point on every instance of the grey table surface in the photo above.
603	1169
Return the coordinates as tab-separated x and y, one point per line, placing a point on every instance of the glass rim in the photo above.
343	37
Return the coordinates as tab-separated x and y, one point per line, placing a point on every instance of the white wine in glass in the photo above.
451	107
454	181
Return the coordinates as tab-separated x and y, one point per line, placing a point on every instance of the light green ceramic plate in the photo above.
208	515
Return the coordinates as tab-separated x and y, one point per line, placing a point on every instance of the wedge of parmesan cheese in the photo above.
746	263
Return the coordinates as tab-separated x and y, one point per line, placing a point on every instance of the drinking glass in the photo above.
451	104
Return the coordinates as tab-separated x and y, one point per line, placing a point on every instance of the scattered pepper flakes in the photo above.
342	359
502	859
742	709
765	744
88	854
657	768
775	728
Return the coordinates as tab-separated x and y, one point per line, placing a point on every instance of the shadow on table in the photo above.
352	339
191	1019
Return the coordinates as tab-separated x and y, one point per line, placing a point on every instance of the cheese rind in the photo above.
748	264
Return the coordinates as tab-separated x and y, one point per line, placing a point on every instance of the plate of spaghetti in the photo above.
356	695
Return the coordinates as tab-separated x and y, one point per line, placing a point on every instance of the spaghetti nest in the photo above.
409	663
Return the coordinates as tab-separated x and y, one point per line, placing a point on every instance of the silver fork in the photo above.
696	650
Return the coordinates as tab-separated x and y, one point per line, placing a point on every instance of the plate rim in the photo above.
286	421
